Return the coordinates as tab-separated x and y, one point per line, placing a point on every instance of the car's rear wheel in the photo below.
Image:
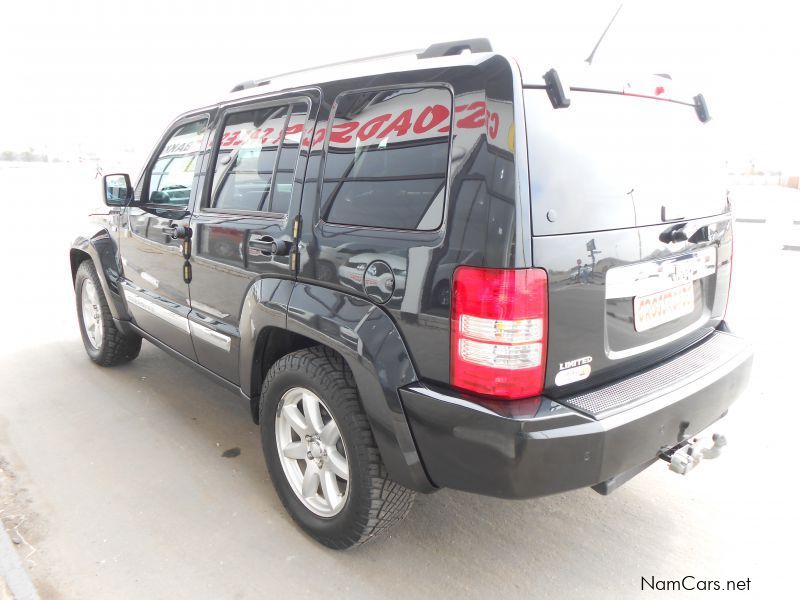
320	452
105	344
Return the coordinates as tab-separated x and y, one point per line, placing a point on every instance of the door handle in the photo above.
267	245
177	232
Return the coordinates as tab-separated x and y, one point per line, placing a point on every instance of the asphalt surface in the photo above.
114	483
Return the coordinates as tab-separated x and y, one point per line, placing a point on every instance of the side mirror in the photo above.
117	189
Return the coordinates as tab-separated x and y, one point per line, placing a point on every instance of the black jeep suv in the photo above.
431	270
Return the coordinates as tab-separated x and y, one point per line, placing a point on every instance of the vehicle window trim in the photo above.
226	111
244	212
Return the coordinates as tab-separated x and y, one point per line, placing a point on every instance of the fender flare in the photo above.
264	309
373	348
101	248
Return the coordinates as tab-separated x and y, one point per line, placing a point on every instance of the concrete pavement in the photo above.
125	492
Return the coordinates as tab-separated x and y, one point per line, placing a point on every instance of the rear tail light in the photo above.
498	328
730	282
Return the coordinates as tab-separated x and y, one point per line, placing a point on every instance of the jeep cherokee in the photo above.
432	270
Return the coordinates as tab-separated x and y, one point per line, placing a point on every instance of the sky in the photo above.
107	76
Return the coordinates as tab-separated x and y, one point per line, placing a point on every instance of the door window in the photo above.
171	177
256	159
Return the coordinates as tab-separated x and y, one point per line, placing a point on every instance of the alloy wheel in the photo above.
312	452
92	315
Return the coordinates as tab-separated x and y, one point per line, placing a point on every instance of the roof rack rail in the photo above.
456	47
265	81
244	85
434	50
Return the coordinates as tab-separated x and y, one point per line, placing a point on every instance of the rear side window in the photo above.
386	159
256	160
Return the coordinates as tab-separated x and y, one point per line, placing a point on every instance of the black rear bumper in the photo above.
539	446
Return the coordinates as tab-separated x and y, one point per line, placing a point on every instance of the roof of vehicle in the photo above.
448	54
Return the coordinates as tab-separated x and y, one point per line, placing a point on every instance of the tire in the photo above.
370	502
105	344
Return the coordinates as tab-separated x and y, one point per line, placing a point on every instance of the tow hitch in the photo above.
686	456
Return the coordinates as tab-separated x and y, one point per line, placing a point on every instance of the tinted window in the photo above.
287	161
613	161
386	159
171	176
257	158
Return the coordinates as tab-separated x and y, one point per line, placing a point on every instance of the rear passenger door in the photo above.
252	184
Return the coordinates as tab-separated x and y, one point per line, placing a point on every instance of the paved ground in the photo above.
114	485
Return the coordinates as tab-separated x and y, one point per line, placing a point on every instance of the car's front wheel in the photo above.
320	452
105	344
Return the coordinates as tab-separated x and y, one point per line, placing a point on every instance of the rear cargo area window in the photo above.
611	161
386	159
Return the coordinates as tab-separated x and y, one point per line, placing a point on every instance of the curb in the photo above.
12	572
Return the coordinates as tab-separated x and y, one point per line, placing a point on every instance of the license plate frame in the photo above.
665	306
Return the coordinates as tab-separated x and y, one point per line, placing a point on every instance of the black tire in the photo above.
374	502
115	347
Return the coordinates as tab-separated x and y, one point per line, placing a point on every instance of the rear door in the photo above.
252	184
630	219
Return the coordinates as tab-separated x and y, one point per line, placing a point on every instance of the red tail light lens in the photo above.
498	344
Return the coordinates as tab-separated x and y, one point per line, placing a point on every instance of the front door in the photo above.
151	242
243	224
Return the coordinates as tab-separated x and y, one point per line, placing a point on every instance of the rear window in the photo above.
611	161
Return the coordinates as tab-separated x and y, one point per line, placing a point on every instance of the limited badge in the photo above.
574	370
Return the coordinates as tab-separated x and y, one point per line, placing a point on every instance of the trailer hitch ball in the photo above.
715	450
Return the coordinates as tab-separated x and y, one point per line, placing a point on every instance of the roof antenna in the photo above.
590	58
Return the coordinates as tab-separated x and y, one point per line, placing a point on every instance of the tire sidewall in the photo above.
328	530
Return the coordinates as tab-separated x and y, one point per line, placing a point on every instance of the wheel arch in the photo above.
271	344
373	349
101	249
280	317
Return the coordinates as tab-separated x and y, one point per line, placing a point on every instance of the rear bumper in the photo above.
539	446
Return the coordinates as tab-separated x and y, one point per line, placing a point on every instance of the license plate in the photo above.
656	309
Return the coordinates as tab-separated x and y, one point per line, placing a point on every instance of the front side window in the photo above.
257	157
386	159
171	176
